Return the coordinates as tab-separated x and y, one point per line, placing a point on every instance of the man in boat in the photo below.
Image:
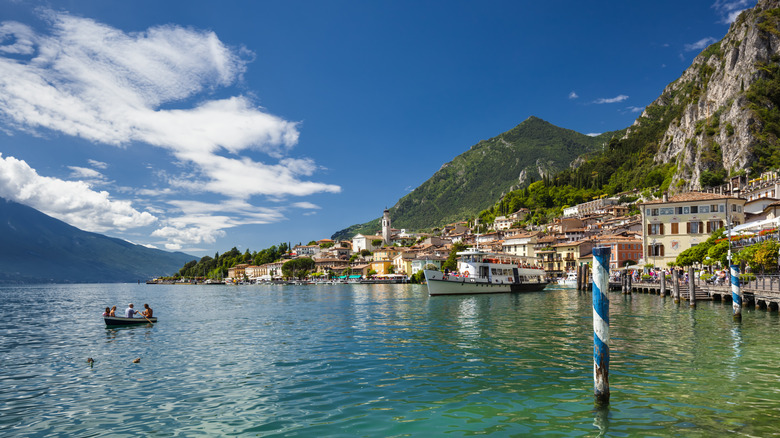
147	312
130	312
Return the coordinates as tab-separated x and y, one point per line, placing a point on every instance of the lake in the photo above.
377	360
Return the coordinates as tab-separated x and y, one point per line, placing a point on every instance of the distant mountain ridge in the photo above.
475	179
36	248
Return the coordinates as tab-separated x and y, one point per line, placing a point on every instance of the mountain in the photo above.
37	248
475	179
721	118
729	98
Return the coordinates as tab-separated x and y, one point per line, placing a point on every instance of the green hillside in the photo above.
475	179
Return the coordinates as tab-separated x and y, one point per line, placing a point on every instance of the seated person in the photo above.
107	312
112	312
130	312
147	312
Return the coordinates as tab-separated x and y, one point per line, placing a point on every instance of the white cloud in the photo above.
635	109
573	95
98	164
699	45
594	134
306	205
616	99
730	9
84	173
85	79
70	201
96	82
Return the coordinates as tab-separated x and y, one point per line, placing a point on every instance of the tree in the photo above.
452	260
298	268
376	242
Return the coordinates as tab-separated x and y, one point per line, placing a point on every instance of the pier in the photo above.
762	293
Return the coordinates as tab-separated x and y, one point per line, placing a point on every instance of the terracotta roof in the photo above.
690	196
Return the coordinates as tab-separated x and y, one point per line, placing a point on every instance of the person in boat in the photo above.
147	312
130	312
107	312
112	312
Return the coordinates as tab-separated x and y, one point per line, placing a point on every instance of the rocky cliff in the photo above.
724	108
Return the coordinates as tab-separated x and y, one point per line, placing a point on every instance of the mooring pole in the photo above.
676	285
663	283
736	296
601	324
691	288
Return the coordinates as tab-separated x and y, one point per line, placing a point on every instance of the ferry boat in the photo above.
570	280
482	273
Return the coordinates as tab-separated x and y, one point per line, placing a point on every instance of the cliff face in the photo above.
717	128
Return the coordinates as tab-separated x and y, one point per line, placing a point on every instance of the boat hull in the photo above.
118	320
439	284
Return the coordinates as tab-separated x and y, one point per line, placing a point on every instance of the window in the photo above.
675	228
714	208
666	211
721	208
656	250
694	209
713	225
695	228
678	210
686	210
655	229
704	209
654	212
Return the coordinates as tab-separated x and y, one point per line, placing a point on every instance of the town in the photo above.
653	238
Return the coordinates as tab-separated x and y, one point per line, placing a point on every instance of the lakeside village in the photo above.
652	239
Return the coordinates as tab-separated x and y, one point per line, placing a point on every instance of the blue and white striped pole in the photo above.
601	324
736	297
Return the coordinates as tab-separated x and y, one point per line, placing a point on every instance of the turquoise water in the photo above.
377	360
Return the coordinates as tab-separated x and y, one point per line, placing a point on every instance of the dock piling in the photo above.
736	296
601	257
676	285
691	287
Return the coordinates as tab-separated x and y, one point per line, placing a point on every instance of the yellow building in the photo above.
672	225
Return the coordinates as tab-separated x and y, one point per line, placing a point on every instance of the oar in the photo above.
150	321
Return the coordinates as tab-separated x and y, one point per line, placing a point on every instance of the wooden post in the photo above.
623	282
691	288
663	283
579	278
736	296
601	324
676	285
630	279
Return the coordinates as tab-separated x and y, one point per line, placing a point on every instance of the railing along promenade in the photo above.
763	292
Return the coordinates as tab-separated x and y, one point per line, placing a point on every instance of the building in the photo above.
672	225
622	249
361	242
386	229
522	246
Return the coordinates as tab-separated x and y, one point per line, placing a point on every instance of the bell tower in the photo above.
386	227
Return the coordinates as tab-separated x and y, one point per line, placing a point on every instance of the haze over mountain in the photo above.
37	248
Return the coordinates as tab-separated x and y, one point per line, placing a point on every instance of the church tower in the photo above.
386	227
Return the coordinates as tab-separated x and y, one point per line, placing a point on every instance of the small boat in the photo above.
481	272
120	320
570	280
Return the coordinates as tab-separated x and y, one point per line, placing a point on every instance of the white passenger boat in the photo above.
570	280
481	273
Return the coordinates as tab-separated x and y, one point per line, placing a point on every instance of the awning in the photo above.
756	226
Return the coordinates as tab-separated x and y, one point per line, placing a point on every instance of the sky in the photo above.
198	126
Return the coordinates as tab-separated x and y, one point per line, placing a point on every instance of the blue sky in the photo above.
198	126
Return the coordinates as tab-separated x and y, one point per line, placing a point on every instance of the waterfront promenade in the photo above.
763	292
